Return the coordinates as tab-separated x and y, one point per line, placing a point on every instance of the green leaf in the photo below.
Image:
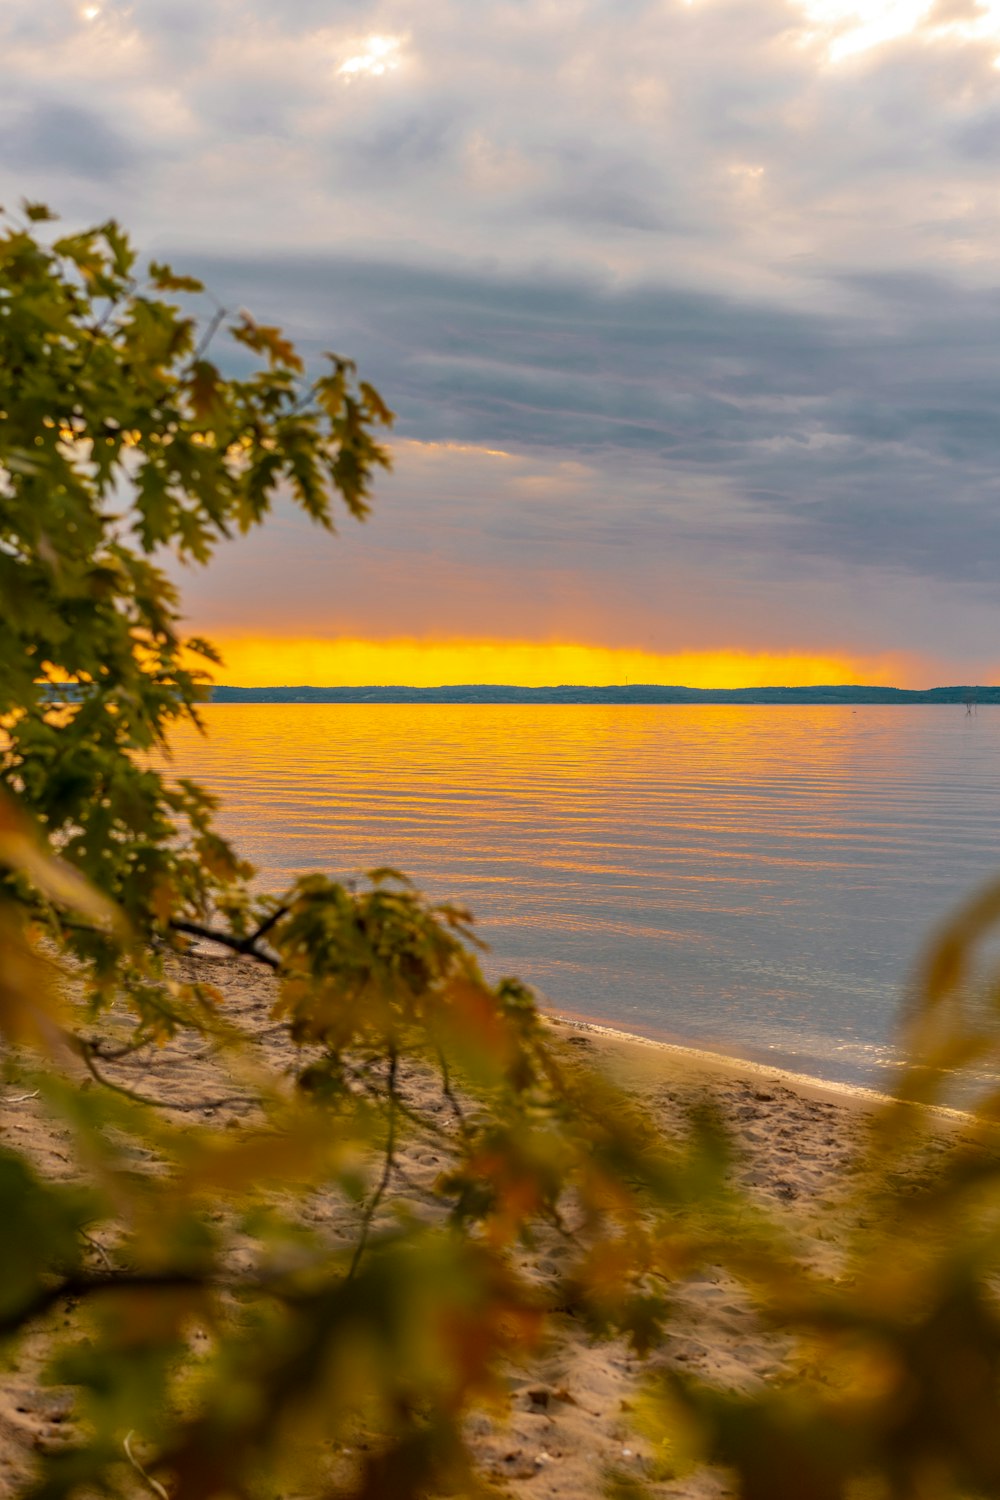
166	280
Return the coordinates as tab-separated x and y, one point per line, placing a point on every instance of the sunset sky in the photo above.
689	310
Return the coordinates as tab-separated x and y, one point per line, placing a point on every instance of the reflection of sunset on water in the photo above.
755	879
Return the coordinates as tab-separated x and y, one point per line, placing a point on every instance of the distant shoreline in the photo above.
850	695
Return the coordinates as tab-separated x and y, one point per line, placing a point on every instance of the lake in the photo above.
758	881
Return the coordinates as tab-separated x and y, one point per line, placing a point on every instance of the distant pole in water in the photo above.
971	704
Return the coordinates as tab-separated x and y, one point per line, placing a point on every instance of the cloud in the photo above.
51	136
632	124
725	293
869	439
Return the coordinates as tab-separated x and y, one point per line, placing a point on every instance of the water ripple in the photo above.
753	879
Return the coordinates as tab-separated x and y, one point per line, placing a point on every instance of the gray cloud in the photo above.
410	140
68	138
873	439
736	303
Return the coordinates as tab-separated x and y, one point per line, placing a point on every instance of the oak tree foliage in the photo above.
250	1298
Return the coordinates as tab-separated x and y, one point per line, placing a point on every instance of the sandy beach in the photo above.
798	1138
568	1417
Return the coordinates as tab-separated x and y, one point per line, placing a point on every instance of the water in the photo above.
754	880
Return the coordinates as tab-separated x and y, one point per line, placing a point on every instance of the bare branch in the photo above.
98	1048
243	946
154	1484
77	1288
387	1168
449	1092
268	923
96	1245
214	324
186	1107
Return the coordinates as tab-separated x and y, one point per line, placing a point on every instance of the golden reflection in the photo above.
539	756
738	877
666	797
251	661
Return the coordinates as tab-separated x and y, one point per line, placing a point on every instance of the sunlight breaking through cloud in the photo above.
377	56
850	27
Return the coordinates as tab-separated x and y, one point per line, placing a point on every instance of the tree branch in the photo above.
79	1287
449	1092
215	323
268	923
97	1048
188	1107
387	1168
243	946
154	1484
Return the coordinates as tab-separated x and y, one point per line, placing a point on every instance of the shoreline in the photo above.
707	1065
642	1060
639	694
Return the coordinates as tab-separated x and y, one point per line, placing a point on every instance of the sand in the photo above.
568	1417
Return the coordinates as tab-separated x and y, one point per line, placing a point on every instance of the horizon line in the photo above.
576	687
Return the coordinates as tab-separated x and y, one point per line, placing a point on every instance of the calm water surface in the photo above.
757	880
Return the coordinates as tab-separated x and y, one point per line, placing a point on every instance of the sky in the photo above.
689	312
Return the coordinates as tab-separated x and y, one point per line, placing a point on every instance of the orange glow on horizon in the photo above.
275	662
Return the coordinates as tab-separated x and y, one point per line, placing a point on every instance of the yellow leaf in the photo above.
29	1006
164	897
21	851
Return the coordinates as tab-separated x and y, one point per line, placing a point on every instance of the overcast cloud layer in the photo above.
716	282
